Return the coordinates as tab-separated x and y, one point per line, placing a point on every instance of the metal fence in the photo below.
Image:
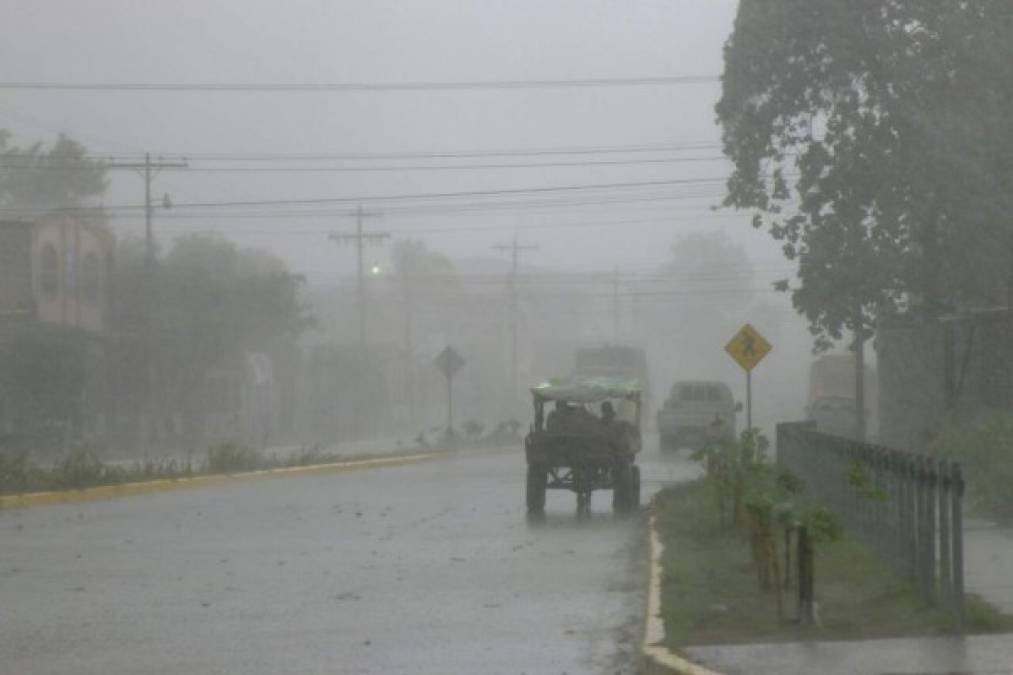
904	506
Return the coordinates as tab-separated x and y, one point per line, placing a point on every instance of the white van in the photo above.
695	412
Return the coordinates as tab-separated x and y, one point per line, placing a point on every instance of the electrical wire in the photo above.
336	87
366	169
432	154
398	197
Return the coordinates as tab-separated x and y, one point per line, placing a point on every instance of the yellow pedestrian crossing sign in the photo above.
748	347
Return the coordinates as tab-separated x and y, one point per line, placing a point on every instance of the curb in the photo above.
658	659
165	484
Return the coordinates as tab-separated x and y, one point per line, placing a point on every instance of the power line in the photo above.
409	196
408	231
444	209
389	168
338	87
424	154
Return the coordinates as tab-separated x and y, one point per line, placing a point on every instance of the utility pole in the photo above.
615	305
149	170
515	249
359	239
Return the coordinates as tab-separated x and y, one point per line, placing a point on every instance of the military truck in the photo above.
696	412
588	441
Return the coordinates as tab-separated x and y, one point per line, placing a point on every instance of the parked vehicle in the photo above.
695	412
588	441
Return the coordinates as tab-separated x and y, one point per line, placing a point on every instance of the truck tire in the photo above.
622	488
635	488
537	478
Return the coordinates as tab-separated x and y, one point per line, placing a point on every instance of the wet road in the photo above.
425	568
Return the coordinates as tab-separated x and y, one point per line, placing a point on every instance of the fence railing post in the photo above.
945	547
931	500
957	478
918	523
905	538
907	508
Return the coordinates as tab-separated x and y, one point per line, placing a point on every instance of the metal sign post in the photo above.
449	362
748	348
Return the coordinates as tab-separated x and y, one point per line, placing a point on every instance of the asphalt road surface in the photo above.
424	568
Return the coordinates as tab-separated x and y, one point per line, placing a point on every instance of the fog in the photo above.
423	264
361	146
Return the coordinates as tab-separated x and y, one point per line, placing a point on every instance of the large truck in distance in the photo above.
831	401
616	361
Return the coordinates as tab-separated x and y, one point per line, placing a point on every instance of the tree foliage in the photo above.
57	176
212	301
212	292
873	139
43	369
414	263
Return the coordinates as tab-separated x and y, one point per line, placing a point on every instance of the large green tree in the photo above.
212	302
873	138
60	175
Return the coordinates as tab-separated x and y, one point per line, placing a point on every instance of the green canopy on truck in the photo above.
587	389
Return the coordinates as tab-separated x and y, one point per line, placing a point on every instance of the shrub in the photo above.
16	472
82	468
984	446
233	457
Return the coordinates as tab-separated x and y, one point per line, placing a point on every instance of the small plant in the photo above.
82	468
473	429
233	457
18	473
313	454
765	499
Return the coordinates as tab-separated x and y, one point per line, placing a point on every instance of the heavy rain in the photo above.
534	337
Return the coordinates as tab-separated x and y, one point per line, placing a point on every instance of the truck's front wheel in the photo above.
537	478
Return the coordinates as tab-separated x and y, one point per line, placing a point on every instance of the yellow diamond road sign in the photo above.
748	347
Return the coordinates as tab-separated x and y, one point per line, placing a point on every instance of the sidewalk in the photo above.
988	572
977	655
988	562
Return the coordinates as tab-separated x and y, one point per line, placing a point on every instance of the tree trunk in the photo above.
859	349
806	613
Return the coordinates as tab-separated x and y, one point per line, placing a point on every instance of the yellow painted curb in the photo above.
162	485
659	659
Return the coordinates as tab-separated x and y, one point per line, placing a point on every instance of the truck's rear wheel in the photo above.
537	478
622	488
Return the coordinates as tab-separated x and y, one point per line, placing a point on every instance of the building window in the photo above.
50	270
90	278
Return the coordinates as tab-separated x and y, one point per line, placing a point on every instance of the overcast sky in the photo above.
254	41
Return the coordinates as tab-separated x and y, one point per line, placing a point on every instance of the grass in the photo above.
710	593
83	468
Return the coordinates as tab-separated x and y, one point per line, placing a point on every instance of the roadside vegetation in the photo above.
733	543
84	467
981	445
